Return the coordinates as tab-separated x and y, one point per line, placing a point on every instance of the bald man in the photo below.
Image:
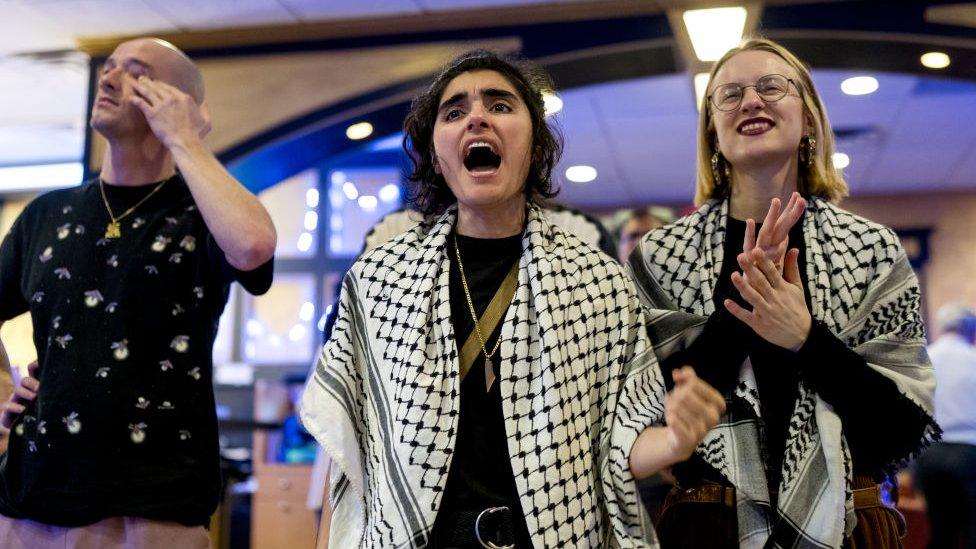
114	442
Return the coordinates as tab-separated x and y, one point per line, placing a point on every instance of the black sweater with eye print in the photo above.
124	423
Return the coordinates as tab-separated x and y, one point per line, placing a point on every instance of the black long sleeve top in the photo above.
880	424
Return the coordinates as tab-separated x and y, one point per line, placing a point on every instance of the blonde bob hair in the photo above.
818	179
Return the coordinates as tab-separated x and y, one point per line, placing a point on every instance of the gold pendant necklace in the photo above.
113	229
489	363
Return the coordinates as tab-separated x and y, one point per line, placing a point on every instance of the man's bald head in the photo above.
172	65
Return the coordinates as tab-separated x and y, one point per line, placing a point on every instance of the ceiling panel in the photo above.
658	154
930	137
432	5
104	17
963	173
856	111
42	108
310	10
23	29
657	95
193	14
585	143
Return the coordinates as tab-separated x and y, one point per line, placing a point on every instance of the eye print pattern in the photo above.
120	350
72	422
94	299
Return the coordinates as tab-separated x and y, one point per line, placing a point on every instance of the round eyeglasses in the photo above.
770	88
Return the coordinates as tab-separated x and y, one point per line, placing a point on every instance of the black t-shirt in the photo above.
124	423
481	470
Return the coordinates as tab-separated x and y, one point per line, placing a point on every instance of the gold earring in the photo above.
720	169
808	150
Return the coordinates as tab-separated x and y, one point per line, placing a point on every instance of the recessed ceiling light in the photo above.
552	102
311	220
307	311
701	86
581	174
360	130
935	60
367	202
304	242
714	31
389	193
859	85
840	160
312	198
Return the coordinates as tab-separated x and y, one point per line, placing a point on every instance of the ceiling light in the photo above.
336	199
714	31
935	60
859	85
350	190
361	130
304	242
297	332
552	102
307	311
701	86
367	202
581	174
311	220
840	160
389	193
254	327
312	198
338	178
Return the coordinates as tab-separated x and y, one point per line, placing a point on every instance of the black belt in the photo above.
490	528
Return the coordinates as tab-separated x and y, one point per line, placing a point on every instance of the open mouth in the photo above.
481	157
755	126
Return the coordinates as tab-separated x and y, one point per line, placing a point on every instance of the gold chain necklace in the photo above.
474	314
113	229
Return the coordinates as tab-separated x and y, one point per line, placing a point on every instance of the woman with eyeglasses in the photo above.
807	322
489	382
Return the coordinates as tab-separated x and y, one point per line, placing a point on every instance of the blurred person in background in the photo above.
488	379
637	224
114	444
808	324
946	472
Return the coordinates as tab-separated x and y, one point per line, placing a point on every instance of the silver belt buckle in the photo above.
477	529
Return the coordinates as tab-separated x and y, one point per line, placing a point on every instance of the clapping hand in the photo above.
773	238
691	409
779	311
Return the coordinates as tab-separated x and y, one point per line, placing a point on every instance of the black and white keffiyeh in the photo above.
578	384
863	289
570	220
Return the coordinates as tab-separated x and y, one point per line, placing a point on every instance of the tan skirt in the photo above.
111	533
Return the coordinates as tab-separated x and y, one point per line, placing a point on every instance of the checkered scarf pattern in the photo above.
863	289
578	380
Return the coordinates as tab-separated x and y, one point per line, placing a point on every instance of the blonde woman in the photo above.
808	323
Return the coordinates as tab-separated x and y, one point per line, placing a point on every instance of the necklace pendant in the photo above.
489	374
113	230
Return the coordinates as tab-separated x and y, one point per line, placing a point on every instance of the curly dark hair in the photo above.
428	191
